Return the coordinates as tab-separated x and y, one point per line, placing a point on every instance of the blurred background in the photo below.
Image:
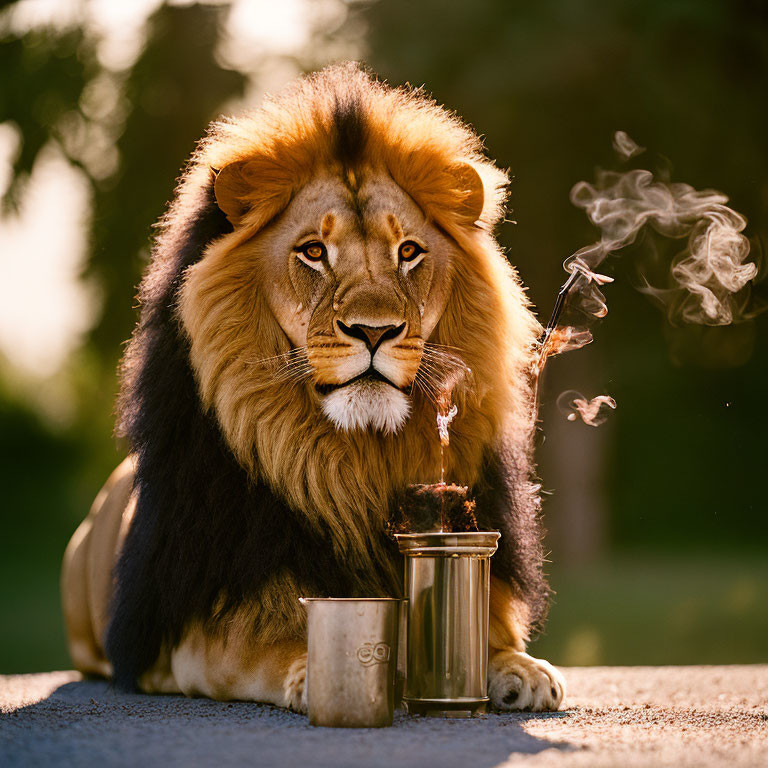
656	520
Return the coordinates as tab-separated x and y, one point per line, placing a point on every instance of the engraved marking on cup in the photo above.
373	653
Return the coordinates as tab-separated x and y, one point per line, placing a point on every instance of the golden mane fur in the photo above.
343	480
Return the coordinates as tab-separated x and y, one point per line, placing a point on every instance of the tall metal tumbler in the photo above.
352	661
447	577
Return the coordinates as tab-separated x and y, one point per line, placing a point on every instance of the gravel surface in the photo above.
622	717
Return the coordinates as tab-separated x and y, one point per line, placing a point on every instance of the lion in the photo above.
322	257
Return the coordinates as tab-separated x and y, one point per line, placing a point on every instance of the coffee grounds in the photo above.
435	507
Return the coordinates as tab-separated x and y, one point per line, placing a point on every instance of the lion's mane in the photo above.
245	494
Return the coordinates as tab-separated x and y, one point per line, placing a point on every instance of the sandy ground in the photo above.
622	716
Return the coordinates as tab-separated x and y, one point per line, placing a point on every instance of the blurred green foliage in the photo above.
149	117
173	91
56	67
659	609
547	83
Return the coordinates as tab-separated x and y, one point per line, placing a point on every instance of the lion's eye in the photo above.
312	251
409	251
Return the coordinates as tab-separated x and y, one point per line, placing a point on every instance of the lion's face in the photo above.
360	262
357	278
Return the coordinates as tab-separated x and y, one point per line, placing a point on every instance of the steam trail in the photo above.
712	270
711	276
625	146
592	412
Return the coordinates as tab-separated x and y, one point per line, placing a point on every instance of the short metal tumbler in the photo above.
352	661
447	577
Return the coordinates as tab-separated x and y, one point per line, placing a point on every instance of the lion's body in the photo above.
86	576
247	488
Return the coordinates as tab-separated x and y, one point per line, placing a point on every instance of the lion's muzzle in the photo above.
364	371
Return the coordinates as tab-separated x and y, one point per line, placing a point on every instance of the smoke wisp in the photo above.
592	412
709	280
710	277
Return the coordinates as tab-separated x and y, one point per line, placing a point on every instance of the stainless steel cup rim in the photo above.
306	600
441	543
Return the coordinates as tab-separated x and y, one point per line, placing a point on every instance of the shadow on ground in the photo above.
88	723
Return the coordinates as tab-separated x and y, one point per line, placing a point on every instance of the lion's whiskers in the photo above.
431	375
451	358
444	368
427	384
441	363
433	345
284	357
426	388
292	366
296	371
441	368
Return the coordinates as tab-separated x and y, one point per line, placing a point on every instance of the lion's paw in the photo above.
518	681
296	685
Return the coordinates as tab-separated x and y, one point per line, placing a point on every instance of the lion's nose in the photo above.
372	335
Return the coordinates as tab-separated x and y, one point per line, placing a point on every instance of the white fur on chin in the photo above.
364	404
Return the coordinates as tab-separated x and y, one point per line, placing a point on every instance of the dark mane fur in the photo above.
349	127
507	501
202	529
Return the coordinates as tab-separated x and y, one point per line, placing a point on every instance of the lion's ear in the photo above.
469	186
231	188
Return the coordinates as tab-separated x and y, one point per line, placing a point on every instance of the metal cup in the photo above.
447	577
352	661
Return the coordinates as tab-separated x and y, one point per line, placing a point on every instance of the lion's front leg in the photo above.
237	666
519	681
516	680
